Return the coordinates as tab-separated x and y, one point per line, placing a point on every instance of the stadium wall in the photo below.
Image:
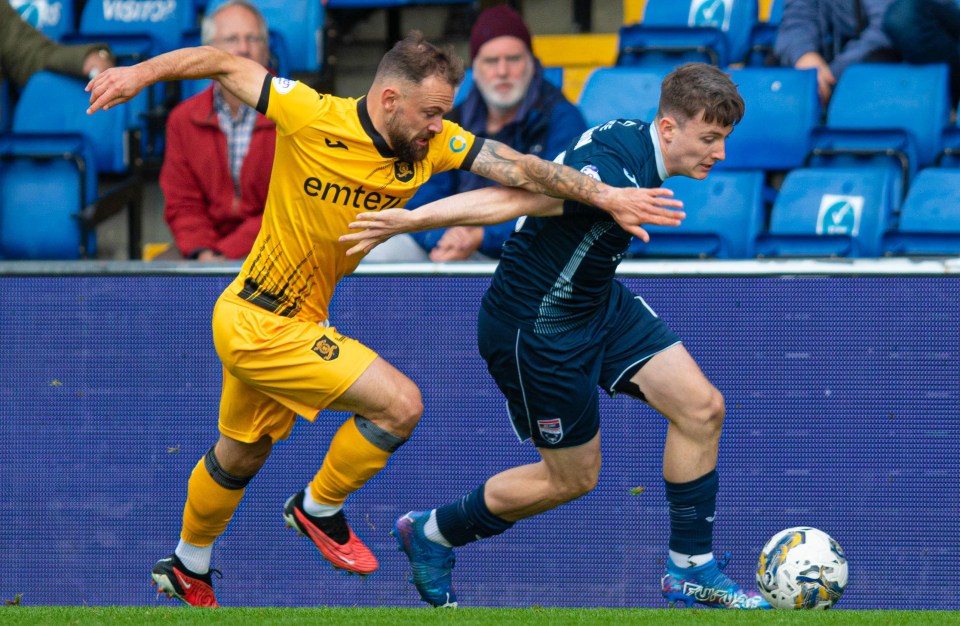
842	384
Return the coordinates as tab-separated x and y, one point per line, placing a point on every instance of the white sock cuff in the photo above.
432	531
690	560
318	509
195	558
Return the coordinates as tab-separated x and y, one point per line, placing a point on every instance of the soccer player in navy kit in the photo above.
555	325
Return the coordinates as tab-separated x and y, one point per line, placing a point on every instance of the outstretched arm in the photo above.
241	77
482	207
631	207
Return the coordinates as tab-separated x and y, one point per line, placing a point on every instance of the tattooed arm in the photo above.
630	207
480	207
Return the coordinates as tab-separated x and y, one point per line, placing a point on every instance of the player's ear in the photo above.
389	98
666	126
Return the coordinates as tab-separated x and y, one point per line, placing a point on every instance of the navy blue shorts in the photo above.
551	381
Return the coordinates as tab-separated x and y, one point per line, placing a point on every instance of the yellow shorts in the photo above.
275	368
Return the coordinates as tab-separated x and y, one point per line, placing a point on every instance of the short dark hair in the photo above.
696	87
413	58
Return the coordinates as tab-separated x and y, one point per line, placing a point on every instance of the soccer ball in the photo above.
802	568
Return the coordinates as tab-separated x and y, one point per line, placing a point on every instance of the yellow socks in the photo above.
212	497
358	451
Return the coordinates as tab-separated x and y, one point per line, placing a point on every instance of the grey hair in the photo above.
208	30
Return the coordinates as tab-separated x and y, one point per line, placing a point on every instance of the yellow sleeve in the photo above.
454	148
292	104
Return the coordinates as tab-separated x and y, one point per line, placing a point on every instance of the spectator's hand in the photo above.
457	244
375	228
825	78
633	207
114	86
96	62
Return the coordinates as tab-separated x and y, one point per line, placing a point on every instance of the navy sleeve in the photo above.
605	168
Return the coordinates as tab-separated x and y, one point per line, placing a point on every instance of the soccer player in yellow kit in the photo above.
335	157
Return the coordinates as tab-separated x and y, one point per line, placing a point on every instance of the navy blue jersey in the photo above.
556	273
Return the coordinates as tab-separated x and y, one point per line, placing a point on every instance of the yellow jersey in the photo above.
330	165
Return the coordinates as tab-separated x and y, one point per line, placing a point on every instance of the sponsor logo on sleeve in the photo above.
591	171
458	143
283	85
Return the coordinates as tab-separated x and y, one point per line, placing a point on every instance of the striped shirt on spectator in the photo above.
238	130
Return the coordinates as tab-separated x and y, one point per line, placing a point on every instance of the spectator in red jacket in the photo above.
219	152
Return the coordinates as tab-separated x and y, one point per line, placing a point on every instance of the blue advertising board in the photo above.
843	413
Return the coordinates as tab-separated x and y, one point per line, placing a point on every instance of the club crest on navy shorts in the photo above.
550	430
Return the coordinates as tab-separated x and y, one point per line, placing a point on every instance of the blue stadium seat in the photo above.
53	18
552	75
930	218
674	32
885	114
296	33
950	156
53	102
833	212
136	29
782	108
615	92
725	215
764	35
46	182
53	106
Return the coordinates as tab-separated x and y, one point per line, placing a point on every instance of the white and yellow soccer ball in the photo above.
802	568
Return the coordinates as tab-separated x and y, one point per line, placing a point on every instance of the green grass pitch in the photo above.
142	616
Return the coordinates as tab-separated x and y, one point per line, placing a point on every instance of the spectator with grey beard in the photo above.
509	101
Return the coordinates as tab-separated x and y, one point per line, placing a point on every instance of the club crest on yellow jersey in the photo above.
403	171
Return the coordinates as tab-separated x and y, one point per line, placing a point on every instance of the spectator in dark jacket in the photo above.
927	31
829	35
219	152
510	102
24	51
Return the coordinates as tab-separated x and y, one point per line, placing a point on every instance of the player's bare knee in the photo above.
707	416
576	484
575	488
403	412
702	416
243	459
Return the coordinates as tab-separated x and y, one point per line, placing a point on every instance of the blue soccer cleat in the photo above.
431	563
708	586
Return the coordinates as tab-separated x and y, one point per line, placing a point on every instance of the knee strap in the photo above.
220	476
388	442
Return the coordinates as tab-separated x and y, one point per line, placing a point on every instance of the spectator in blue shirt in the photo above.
829	35
927	31
510	102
